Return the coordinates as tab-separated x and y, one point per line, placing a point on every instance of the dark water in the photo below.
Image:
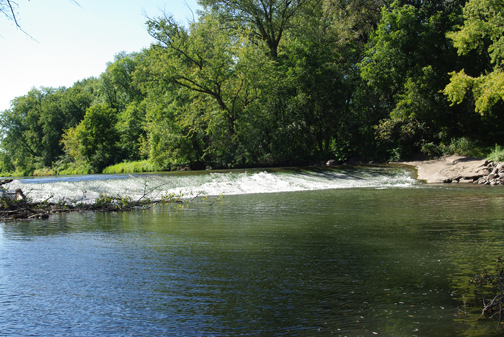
342	262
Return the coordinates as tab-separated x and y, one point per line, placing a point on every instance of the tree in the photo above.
406	63
117	86
269	18
33	127
98	137
353	20
21	133
216	75
482	31
315	92
76	100
319	108
131	129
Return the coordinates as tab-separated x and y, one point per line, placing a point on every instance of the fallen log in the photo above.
15	206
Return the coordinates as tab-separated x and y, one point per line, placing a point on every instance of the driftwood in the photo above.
18	210
5	181
493	308
15	206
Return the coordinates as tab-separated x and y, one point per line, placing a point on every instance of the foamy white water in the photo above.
88	188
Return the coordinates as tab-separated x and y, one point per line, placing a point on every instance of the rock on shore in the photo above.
459	169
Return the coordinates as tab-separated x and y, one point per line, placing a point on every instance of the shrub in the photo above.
131	167
497	154
462	146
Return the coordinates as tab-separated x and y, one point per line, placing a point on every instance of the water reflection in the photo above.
350	262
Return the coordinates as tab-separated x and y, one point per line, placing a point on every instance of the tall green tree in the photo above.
98	137
131	129
33	126
406	63
218	76
21	132
314	111
118	89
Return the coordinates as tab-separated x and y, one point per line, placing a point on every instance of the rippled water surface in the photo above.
338	252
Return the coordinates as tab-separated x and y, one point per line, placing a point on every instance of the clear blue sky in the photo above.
74	42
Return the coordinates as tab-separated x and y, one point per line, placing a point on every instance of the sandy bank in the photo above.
448	169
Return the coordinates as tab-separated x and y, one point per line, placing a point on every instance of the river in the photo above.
281	252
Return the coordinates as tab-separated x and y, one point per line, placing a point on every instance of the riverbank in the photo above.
457	169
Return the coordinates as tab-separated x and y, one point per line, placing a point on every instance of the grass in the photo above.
131	167
18	173
74	168
77	168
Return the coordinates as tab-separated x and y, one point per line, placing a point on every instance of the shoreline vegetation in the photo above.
471	155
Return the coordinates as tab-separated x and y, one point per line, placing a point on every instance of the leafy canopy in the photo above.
483	31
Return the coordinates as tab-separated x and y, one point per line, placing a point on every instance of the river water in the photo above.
297	252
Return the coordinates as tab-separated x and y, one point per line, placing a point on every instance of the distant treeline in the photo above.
262	83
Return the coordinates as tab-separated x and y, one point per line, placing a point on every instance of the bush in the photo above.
44	171
18	173
464	147
74	168
431	150
131	167
497	154
461	146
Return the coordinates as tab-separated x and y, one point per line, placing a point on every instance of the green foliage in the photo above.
483	30
399	138
205	81
131	167
170	198
460	146
117	87
269	20
71	144
32	128
497	154
463	147
431	150
407	62
19	173
487	89
113	202
131	129
72	168
98	137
